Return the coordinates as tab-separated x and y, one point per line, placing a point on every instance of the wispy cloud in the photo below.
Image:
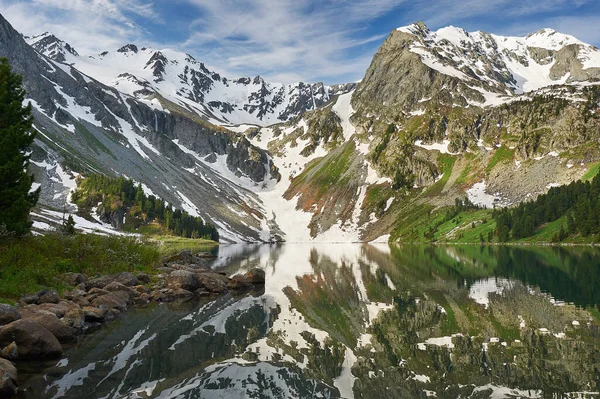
304	38
90	26
285	40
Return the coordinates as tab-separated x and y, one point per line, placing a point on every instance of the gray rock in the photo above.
8	314
239	282
51	322
8	379
127	279
111	301
256	276
183	279
99	282
29	299
33	340
48	296
74	318
94	314
213	282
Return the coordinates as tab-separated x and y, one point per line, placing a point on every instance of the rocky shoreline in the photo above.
38	326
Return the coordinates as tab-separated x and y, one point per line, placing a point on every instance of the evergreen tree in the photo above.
68	227
16	136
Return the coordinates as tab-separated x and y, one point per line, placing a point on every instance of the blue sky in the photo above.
286	40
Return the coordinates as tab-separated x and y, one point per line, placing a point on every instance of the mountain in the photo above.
149	74
85	126
438	116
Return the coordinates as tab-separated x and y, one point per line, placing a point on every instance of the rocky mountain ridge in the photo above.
146	73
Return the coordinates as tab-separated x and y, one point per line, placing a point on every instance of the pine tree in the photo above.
68	227
16	136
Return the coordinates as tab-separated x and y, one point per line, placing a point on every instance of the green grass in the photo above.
447	163
502	154
463	175
169	245
590	174
30	264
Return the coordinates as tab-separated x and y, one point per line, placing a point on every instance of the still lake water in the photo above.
352	320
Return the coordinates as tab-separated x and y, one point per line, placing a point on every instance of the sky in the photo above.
332	41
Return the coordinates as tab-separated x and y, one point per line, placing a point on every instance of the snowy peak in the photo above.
504	64
146	73
51	46
550	39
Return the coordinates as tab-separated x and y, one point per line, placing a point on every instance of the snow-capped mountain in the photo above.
505	65
323	163
147	73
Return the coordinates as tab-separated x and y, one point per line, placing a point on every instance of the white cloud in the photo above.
302	39
91	26
284	40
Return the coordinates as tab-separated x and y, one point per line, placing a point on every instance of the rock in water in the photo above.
8	379
238	282
8	314
213	282
256	276
183	279
52	323
33	340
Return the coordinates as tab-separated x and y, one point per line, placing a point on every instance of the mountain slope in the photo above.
438	116
85	126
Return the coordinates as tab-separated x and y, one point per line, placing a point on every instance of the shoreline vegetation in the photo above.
80	293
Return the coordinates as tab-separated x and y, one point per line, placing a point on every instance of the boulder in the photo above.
143	299
50	322
33	340
8	379
81	301
29	299
74	294
115	286
213	282
127	279
100	282
255	276
183	279
48	296
73	279
74	318
8	314
94	314
239	282
111	301
59	309
10	351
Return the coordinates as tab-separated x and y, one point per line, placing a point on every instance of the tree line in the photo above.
122	194
578	203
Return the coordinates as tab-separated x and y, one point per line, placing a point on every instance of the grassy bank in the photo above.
30	264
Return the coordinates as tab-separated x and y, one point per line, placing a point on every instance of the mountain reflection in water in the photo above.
352	320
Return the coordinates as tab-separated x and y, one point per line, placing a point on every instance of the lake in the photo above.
356	321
